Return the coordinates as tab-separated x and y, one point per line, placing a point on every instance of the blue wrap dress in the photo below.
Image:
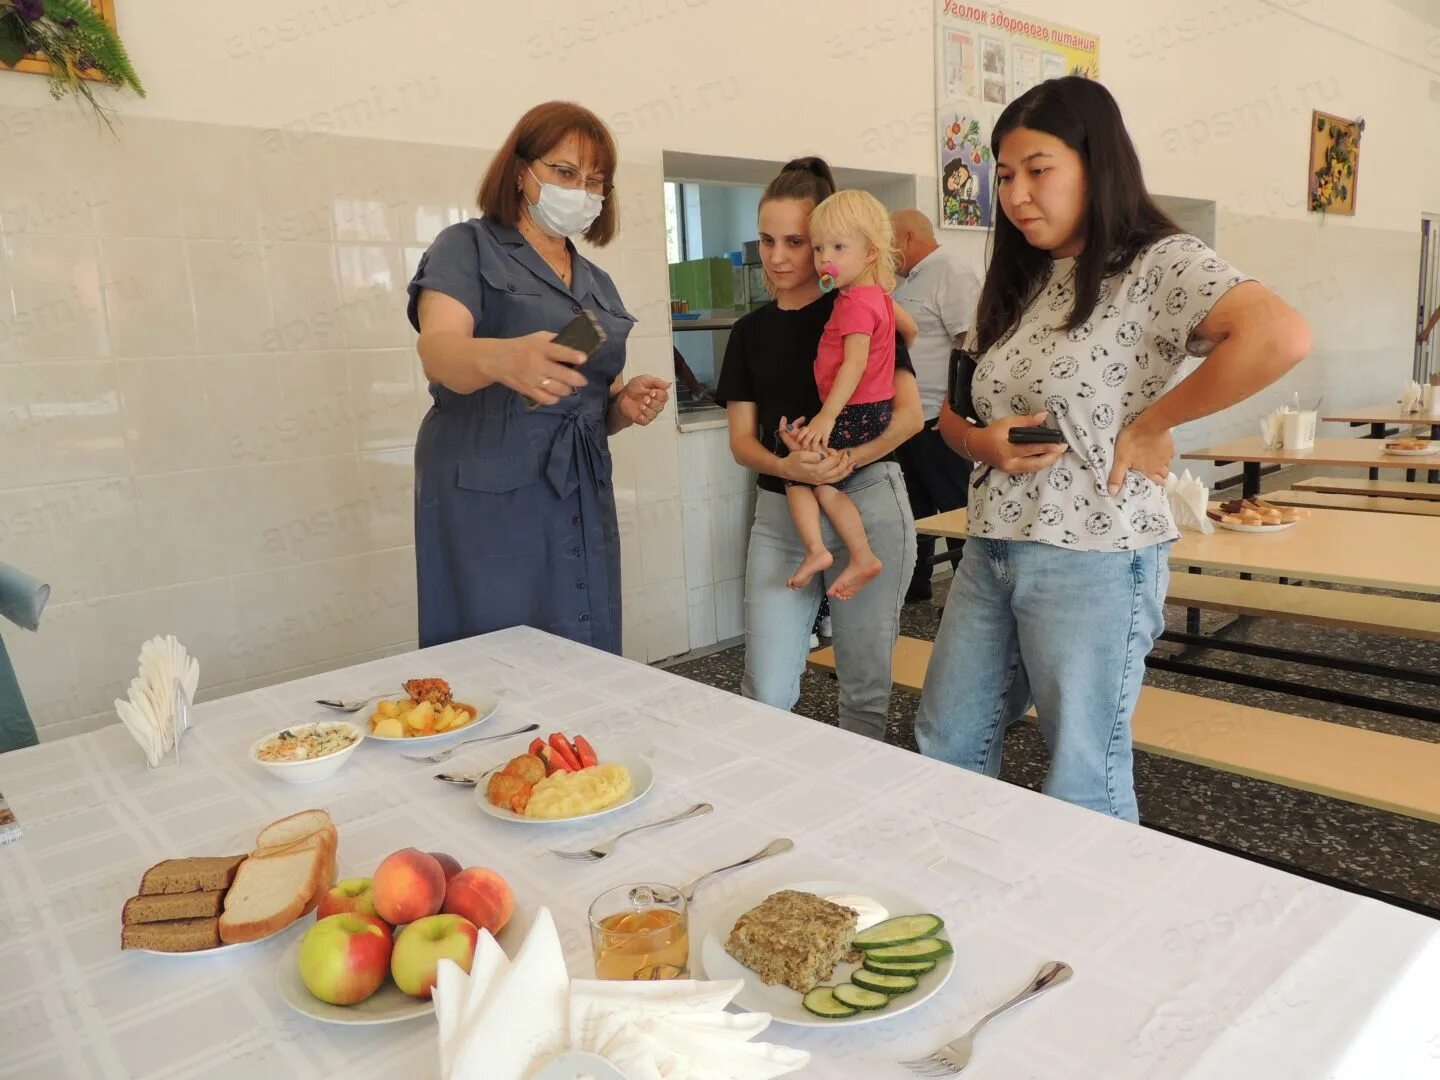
515	508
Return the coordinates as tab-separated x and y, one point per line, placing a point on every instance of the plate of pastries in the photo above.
1255	515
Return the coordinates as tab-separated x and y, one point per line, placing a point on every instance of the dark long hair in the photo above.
1120	218
802	178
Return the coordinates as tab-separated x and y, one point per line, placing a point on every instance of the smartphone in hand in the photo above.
583	334
1028	436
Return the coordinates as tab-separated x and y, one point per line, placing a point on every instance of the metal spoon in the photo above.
463	779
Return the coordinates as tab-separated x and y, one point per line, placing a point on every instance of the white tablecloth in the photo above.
1188	962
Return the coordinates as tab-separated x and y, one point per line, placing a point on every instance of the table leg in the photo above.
1192	615
1251	484
1377	431
1434	474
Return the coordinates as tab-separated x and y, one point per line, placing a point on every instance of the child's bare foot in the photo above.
815	563
855	577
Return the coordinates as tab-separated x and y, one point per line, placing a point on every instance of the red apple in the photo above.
409	885
344	957
448	863
353	894
482	896
421	946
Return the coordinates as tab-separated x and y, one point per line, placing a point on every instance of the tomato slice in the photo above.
535	745
585	752
564	752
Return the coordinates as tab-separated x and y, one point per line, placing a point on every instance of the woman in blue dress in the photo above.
514	506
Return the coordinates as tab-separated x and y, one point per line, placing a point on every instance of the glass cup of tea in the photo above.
641	932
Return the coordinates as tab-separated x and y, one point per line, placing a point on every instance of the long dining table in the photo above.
1188	962
1380	417
1253	454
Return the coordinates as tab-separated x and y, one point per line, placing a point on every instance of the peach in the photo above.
409	885
448	863
482	896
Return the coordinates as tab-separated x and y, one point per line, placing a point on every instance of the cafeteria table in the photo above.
1188	962
1253	453
1379	417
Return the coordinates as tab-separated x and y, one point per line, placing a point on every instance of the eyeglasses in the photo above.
569	176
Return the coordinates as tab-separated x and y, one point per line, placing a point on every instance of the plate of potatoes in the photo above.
402	719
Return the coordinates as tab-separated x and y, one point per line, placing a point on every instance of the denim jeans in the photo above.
778	619
1067	630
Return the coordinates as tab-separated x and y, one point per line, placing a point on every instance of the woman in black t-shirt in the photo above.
767	384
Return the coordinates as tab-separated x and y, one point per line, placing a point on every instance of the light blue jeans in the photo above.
1068	631
778	619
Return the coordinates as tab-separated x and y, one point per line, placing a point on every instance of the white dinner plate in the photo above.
642	776
784	1004
485	706
1429	451
388	1005
1255	528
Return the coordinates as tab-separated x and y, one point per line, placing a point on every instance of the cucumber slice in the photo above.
899	967
821	1001
899	930
924	949
889	985
857	997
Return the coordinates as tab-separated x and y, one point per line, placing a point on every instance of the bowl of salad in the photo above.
303	753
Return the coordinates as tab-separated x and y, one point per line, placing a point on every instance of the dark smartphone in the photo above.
1040	434
962	374
583	334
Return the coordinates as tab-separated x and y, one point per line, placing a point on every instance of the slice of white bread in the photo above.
270	891
295	827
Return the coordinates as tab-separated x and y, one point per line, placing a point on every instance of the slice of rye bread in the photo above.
176	935
270	891
164	906
202	874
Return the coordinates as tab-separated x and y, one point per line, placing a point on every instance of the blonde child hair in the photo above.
858	213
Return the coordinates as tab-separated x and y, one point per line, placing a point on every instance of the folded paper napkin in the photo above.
1411	397
150	711
1189	499
1270	429
507	1018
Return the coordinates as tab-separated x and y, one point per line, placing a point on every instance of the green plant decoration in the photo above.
82	49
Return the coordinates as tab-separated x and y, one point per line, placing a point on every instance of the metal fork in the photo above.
775	847
599	851
954	1056
442	755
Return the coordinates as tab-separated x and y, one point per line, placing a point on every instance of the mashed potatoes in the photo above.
567	794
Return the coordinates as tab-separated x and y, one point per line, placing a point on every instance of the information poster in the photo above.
986	57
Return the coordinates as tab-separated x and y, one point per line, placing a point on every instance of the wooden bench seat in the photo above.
1376	504
1400	489
1393	616
1370	768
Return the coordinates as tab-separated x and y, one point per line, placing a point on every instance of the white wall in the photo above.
1217	96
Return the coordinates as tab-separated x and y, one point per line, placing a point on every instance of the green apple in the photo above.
352	894
421	946
344	957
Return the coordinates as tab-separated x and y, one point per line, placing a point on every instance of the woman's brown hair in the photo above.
535	134
803	178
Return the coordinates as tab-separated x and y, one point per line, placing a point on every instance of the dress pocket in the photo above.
499	505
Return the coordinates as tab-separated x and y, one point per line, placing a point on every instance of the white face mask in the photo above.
564	211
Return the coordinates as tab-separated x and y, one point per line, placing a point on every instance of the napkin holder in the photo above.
1412	398
1271	431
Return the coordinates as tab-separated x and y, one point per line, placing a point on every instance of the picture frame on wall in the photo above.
38	65
1333	179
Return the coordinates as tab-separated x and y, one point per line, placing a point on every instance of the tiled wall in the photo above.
718	504
209	397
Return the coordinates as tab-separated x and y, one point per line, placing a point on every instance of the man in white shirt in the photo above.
941	293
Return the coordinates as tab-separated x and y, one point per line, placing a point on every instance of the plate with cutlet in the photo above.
828	953
218	903
1255	515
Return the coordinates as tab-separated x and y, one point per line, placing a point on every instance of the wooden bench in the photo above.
1393	616
1376	504
1386	772
1402	489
